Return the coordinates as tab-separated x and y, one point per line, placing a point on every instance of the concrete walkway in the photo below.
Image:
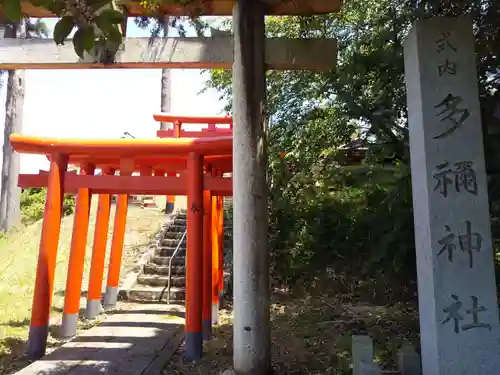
137	339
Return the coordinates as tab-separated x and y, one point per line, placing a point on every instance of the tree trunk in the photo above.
10	194
166	102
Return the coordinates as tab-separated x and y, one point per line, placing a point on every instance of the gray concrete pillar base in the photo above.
110	297
37	341
215	314
169	207
207	329
194	346
68	325
93	309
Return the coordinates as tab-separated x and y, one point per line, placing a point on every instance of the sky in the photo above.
105	103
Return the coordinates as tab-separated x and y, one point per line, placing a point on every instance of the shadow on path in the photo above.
128	342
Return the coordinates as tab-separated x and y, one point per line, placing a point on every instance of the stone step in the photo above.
155	269
166	251
142	293
172	242
177	261
161	280
180	221
176	228
173	235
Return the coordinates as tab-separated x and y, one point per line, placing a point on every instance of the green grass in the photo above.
18	261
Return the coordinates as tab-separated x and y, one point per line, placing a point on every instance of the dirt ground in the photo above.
312	335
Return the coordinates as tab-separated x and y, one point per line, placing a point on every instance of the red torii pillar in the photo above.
115	260
220	229
77	258
94	293
216	255
207	263
51	227
194	262
170	206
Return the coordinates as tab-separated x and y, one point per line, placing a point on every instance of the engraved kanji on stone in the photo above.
447	244
443	178
462	177
465	177
453	314
470	242
448	67
476	309
451	113
443	42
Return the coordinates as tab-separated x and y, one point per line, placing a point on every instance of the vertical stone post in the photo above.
77	258
362	353
44	282
170	205
456	278
194	261
252	341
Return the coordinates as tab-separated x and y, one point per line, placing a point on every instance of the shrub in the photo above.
354	223
33	204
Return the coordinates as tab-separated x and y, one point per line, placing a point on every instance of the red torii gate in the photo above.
196	156
217	201
178	132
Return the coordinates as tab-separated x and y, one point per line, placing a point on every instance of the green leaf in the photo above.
84	40
103	25
111	16
114	35
79	42
12	9
88	38
63	29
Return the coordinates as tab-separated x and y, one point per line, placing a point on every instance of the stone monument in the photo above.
456	278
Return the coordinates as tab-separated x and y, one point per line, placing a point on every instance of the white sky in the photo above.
104	103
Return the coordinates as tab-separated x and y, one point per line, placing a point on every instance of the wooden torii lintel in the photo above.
207	8
184	53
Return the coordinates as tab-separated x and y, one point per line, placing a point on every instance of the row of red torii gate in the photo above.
178	162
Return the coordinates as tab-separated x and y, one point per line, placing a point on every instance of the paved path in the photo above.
137	340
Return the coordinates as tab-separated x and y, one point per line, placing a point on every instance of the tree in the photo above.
96	22
166	100
364	96
10	194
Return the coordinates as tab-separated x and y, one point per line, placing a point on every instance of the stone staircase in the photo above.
151	285
152	282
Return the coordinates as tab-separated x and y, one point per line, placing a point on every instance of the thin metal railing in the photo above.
169	281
